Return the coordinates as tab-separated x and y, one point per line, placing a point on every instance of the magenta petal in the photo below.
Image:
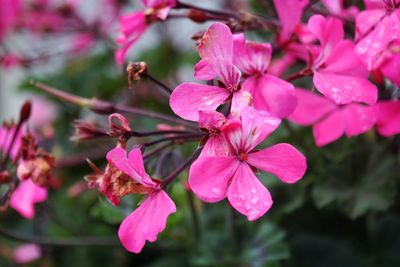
359	118
251	57
272	94
131	165
367	19
310	108
345	89
189	98
26	196
216	48
388	118
146	222
247	194
209	177
289	13
27	253
282	160
204	71
211	119
391	69
329	129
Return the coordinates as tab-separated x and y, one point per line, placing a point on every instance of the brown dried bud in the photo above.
86	130
39	170
25	112
136	70
5	177
197	16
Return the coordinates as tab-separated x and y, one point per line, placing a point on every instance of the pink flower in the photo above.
338	73
9	12
6	136
388	122
331	121
376	28
150	218
289	13
212	178
25	197
336	7
27	253
134	25
222	55
269	92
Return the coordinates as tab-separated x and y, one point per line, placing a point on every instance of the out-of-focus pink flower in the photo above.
26	196
43	112
289	13
376	28
9	12
150	218
27	253
133	26
6	136
212	178
331	121
9	60
336	7
338	73
82	42
388	122
269	92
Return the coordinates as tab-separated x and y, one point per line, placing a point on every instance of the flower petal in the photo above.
204	71
310	108
131	165
329	129
216	48
189	98
209	177
282	160
26	196
247	194
146	222
345	89
289	13
359	118
388	118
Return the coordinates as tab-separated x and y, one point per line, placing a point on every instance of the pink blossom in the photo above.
376	28
212	178
222	55
338	73
336	7
388	122
6	136
9	12
27	253
150	218
26	196
134	25
331	121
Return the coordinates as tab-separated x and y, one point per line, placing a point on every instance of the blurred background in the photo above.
345	212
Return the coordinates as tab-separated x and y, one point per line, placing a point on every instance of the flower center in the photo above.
242	156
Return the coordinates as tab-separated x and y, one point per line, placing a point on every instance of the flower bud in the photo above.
119	125
86	130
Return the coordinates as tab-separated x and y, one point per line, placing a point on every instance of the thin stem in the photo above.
105	107
40	240
297	75
195	217
157	150
181	167
161	132
159	83
7	155
176	137
214	12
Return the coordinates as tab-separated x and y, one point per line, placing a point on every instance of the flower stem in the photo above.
159	83
195	217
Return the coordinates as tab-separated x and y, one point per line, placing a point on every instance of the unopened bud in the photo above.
86	130
119	125
25	112
197	16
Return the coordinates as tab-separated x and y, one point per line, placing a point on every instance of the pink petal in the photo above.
240	100
345	89
216	48
310	108
391	69
27	253
251	57
247	194
211	119
131	165
388	118
359	118
328	31
159	3
370	47
216	145
282	160
272	94
289	13
189	98
329	129
146	222
204	71
279	66
367	19
209	177
343	60
26	196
